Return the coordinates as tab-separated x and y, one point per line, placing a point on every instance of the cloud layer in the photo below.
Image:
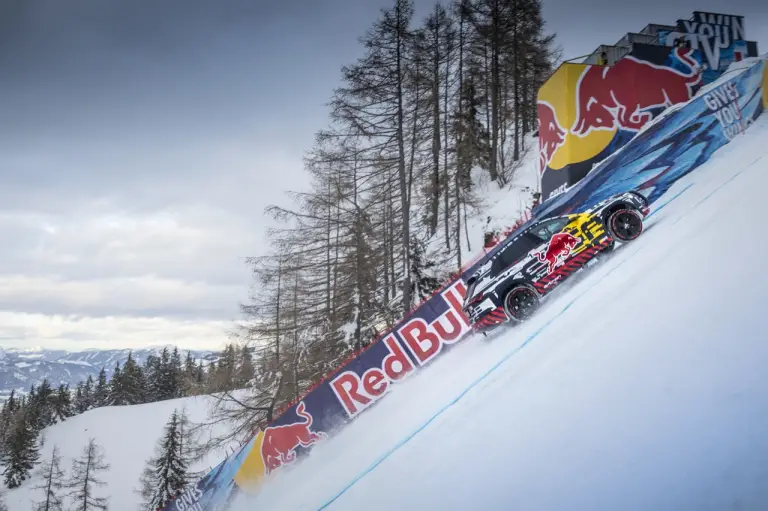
140	142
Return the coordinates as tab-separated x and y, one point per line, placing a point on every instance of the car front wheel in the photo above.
520	303
625	225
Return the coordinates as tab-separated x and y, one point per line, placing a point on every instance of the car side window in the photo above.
514	252
547	228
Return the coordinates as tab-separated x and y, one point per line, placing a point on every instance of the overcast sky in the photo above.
141	140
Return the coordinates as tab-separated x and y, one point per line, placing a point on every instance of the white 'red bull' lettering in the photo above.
424	341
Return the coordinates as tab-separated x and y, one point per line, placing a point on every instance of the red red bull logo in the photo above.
557	251
280	442
551	134
619	96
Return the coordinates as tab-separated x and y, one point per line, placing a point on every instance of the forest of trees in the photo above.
161	377
428	105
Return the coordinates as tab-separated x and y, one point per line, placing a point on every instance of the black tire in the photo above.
520	303
625	225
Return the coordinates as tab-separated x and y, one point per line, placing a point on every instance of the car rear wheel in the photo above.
625	225
520	303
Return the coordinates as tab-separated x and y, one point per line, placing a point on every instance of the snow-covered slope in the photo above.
127	434
641	386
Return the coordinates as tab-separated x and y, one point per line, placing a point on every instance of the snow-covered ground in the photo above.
127	434
641	386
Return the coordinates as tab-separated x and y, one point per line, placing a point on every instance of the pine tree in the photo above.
175	375
101	392
163	384
188	375
166	473
189	366
7	415
84	478
117	395
21	452
210	376
200	375
80	404
245	370
224	378
152	377
88	390
133	383
52	482
62	404
40	406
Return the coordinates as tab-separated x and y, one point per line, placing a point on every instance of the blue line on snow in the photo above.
722	185
675	196
455	400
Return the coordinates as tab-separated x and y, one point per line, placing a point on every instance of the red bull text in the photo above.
423	340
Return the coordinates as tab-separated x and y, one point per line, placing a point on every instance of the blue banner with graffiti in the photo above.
680	141
717	41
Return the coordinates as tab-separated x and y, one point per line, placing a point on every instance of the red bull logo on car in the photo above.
620	96
557	251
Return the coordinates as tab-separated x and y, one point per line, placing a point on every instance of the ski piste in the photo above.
663	153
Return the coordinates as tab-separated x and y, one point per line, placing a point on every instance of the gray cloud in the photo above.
140	142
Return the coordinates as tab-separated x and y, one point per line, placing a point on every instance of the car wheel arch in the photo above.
512	285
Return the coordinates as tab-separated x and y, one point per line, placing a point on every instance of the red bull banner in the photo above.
675	145
649	164
417	340
587	112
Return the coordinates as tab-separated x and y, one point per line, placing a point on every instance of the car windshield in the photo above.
545	229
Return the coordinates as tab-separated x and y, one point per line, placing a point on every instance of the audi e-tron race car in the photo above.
534	261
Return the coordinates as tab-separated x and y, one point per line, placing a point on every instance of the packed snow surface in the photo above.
640	386
127	435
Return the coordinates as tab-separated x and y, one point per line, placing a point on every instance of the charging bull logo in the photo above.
620	96
280	442
551	134
558	250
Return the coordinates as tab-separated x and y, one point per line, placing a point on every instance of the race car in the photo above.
509	287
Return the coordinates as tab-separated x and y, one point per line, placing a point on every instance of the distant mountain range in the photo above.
21	368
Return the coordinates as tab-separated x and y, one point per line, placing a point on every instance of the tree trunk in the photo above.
495	43
435	197
277	314
516	78
446	198
458	134
404	188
